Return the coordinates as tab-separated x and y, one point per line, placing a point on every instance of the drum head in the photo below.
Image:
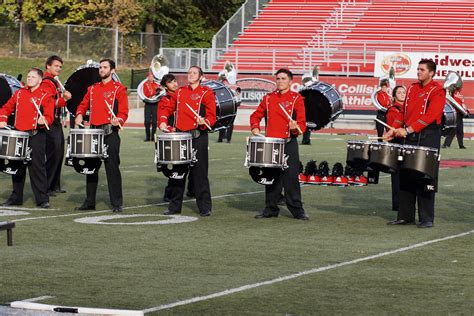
264	176
322	104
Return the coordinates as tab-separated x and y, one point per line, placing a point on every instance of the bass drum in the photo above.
225	102
83	77
322	103
8	86
449	119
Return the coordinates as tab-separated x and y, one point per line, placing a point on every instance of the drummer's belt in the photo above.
32	132
195	133
107	128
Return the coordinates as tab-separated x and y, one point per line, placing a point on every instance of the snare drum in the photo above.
173	148
449	119
358	152
86	143
385	157
266	152
423	160
13	144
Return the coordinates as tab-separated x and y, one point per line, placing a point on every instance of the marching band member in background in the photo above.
28	102
459	130
384	100
279	126
150	89
187	102
394	116
421	126
55	135
108	104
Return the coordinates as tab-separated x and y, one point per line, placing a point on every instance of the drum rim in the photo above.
270	140
420	147
360	142
173	162
86	155
265	165
6	132
174	136
13	158
92	131
387	144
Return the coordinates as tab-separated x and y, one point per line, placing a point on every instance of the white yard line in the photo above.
37	299
300	274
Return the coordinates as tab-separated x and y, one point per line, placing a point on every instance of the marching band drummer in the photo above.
420	126
384	99
195	107
55	135
279	126
34	112
395	115
108	104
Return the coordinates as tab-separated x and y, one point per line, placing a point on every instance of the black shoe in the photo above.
51	193
85	207
265	215
117	209
306	143
169	212
190	194
303	217
462	147
400	222
444	146
146	140
10	202
219	140
166	199
60	191
205	213
44	205
425	225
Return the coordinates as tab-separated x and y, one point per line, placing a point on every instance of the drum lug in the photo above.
28	154
104	149
246	162
285	162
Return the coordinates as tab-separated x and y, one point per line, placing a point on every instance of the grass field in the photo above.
143	267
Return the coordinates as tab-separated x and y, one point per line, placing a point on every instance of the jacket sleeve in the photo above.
8	107
166	108
300	114
122	99
48	105
258	114
394	117
209	101
85	103
434	112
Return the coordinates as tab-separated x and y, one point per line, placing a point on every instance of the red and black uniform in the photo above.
395	115
203	101
384	99
96	99
26	119
459	130
422	112
55	135
150	89
278	127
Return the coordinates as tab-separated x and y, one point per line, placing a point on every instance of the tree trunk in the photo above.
149	41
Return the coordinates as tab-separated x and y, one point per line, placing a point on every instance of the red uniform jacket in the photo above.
150	88
394	114
96	99
53	89
185	119
423	106
384	99
26	114
163	104
277	121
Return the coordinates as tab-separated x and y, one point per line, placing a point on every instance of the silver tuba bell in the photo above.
310	77
453	82
229	73
158	68
390	79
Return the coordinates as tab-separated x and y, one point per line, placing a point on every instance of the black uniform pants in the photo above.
416	189
379	127
54	155
226	133
288	180
306	137
199	179
458	131
37	170
114	177
150	120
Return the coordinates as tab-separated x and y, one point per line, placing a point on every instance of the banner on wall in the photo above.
405	64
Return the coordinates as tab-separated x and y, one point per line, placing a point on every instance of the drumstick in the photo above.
113	114
40	114
192	110
374	137
385	124
289	117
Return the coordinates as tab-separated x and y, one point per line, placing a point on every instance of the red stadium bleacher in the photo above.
300	34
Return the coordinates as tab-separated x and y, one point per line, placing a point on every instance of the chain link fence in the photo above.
76	42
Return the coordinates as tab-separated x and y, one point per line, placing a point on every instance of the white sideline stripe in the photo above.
132	207
299	274
19	208
79	310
